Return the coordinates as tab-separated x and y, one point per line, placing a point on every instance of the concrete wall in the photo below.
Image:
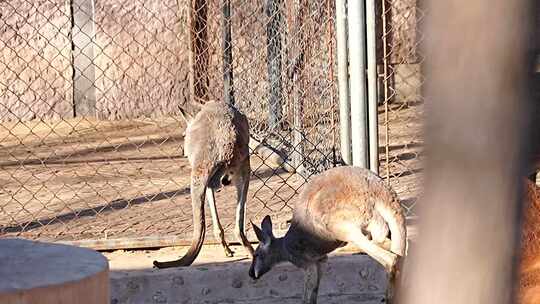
141	57
345	279
35	60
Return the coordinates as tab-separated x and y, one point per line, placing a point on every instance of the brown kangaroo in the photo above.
341	205
217	147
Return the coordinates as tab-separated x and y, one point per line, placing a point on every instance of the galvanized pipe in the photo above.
372	87
357	71
343	82
386	89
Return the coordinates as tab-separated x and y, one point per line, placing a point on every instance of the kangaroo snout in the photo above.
252	273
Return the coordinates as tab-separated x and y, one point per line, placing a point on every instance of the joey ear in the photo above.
266	226
258	232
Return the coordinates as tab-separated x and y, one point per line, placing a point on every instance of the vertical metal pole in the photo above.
330	45
386	87
343	82
227	54
357	71
372	87
299	80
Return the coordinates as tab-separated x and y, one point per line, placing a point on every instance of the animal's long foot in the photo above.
228	252
178	263
392	267
157	264
249	250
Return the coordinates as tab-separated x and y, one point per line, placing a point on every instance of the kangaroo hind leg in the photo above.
242	187
386	258
219	233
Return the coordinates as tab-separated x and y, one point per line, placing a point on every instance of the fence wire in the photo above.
402	104
90	137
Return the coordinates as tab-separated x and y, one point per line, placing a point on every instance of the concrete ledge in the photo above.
47	273
346	279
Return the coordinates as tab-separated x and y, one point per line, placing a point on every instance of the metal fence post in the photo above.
357	84
299	80
373	120
343	82
83	37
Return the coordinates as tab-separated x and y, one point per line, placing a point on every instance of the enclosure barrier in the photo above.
90	135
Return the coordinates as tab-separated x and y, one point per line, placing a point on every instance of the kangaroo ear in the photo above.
266	226
258	232
185	115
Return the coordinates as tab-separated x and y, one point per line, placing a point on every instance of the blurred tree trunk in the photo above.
478	71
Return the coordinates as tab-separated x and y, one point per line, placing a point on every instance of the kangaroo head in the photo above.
187	117
268	253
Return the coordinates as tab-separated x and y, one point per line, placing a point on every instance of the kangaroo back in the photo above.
216	134
345	199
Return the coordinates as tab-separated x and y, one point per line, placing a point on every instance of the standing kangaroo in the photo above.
216	144
341	205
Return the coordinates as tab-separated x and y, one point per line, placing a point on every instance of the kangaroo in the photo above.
217	147
340	205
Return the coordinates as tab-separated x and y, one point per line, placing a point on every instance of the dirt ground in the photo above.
401	134
83	179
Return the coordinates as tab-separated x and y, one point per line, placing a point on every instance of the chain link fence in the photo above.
90	136
402	103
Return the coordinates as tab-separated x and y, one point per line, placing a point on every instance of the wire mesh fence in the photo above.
401	110
90	137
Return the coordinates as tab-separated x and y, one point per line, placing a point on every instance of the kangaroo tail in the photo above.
198	188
